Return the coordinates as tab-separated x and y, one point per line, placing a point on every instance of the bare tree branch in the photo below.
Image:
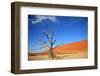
42	47
51	37
58	45
45	44
47	35
53	41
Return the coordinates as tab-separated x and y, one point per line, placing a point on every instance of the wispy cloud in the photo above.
42	18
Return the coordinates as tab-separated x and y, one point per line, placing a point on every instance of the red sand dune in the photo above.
81	46
74	47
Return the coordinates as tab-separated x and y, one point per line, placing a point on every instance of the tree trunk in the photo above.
50	52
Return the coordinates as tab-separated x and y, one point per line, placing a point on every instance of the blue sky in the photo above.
67	29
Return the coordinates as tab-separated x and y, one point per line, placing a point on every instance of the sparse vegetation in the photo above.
50	45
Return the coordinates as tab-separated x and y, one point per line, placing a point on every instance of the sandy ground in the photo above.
61	56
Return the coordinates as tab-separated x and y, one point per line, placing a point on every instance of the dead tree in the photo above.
50	45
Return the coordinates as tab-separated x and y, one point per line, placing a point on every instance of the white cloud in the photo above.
42	18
